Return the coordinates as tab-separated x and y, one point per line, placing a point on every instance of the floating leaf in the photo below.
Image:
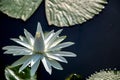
22	9
105	75
12	73
71	12
58	12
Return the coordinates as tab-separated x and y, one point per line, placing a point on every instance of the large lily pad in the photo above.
58	12
71	12
22	9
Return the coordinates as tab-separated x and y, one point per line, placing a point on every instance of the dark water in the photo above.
97	42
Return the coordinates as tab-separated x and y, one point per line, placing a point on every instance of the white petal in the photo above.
20	61
48	36
47	65
22	53
25	64
54	37
10	51
65	53
57	41
58	58
29	37
22	43
39	30
34	68
17	50
60	46
32	60
36	57
22	38
12	47
55	64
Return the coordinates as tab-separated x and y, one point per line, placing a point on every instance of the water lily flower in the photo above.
45	48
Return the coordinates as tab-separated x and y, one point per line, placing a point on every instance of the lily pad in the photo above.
71	12
107	74
20	9
58	12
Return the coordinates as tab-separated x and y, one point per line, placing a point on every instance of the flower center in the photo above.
38	43
38	52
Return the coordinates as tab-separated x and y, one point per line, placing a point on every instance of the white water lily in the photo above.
42	48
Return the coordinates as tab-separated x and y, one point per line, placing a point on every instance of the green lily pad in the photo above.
105	75
71	12
20	9
12	73
58	12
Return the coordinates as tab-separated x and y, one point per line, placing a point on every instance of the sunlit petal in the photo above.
13	47
20	61
22	43
48	36
34	68
65	53
29	37
39	30
47	65
60	46
22	38
53	38
58	58
57	41
55	64
31	61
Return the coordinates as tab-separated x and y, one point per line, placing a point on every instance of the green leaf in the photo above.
58	12
107	74
70	12
20	9
12	73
